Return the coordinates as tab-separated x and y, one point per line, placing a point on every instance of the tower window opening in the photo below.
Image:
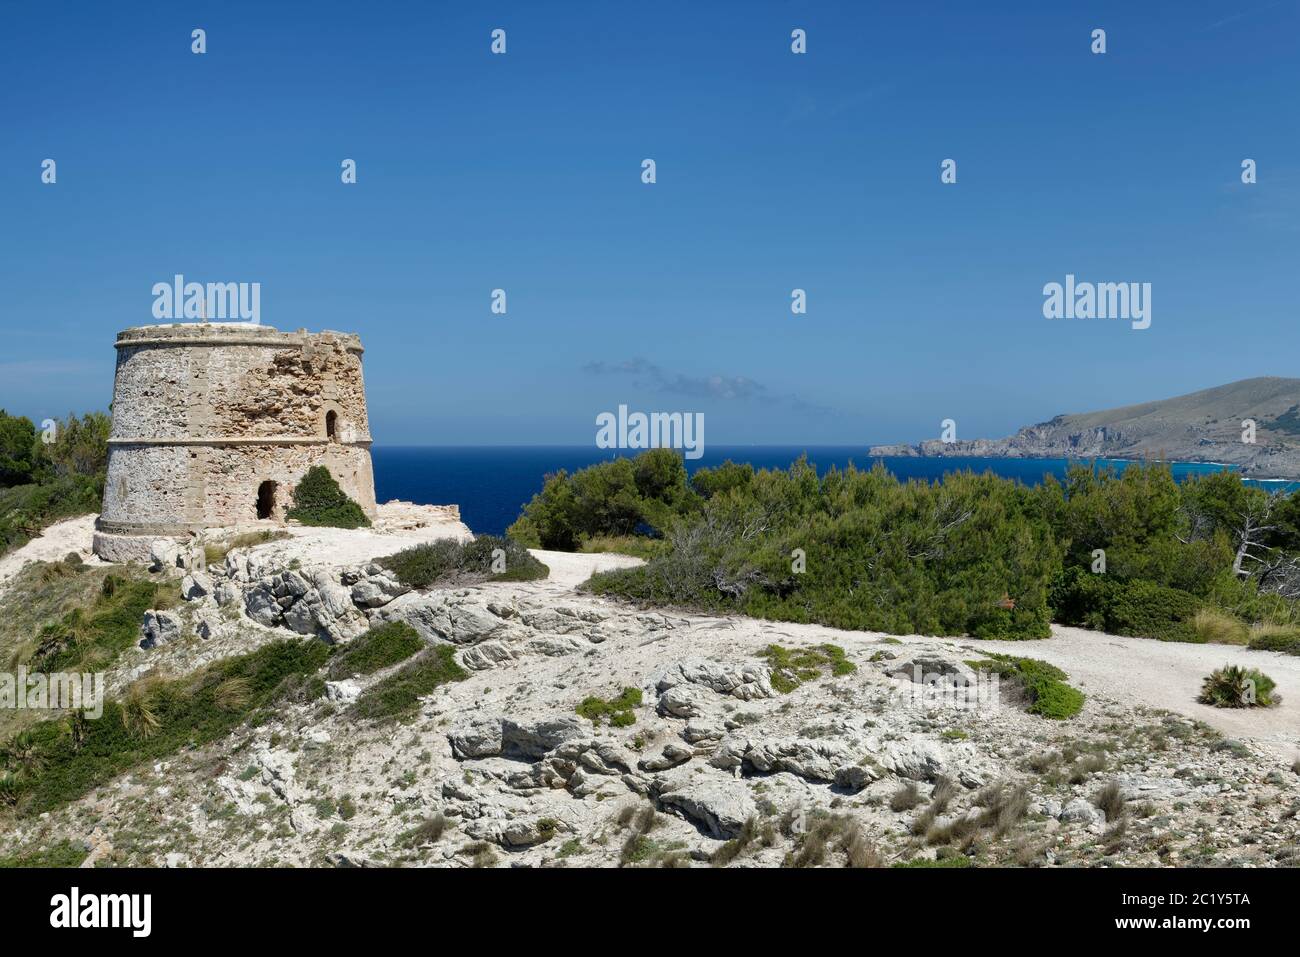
331	425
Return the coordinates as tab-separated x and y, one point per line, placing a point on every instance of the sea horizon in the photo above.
492	483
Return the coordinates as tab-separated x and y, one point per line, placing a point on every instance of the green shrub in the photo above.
618	711
858	550
89	639
1141	608
1233	686
956	860
1044	684
399	694
447	562
792	668
156	718
1284	638
27	509
318	501
62	853
381	646
615	498
17	449
1145	609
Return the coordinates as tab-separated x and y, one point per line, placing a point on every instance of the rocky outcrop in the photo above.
719	806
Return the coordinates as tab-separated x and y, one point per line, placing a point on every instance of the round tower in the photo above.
214	424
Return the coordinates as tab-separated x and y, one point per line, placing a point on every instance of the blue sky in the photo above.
775	171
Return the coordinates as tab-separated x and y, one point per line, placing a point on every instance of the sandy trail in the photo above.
1165	674
54	544
571	569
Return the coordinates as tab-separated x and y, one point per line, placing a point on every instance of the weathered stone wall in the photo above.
204	414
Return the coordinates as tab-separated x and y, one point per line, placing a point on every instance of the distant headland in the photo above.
1253	424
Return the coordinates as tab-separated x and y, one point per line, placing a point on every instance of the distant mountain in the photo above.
1203	426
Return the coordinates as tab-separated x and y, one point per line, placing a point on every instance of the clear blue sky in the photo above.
775	171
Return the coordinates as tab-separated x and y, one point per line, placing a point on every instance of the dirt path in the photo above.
54	544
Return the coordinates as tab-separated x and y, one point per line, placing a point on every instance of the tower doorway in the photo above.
266	500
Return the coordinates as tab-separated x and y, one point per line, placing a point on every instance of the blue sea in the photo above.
491	484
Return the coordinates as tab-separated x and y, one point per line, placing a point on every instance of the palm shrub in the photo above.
1234	686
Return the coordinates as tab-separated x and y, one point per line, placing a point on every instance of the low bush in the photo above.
398	695
1234	686
447	562
27	509
318	501
381	646
1283	638
89	639
790	668
617	711
63	853
1140	608
1044	684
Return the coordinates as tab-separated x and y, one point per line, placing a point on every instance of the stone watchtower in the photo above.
214	424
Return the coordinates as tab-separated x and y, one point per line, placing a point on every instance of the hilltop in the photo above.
1204	426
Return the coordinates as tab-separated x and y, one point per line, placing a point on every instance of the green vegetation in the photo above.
956	860
428	831
1284	638
792	668
62	759
89	639
398	695
1214	627
1130	552
1043	684
614	498
381	646
42	481
447	562
318	501
1233	686
618	711
61	854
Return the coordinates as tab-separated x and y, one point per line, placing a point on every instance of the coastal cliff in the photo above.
1204	426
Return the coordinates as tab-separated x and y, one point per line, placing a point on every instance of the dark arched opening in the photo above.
331	425
266	500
